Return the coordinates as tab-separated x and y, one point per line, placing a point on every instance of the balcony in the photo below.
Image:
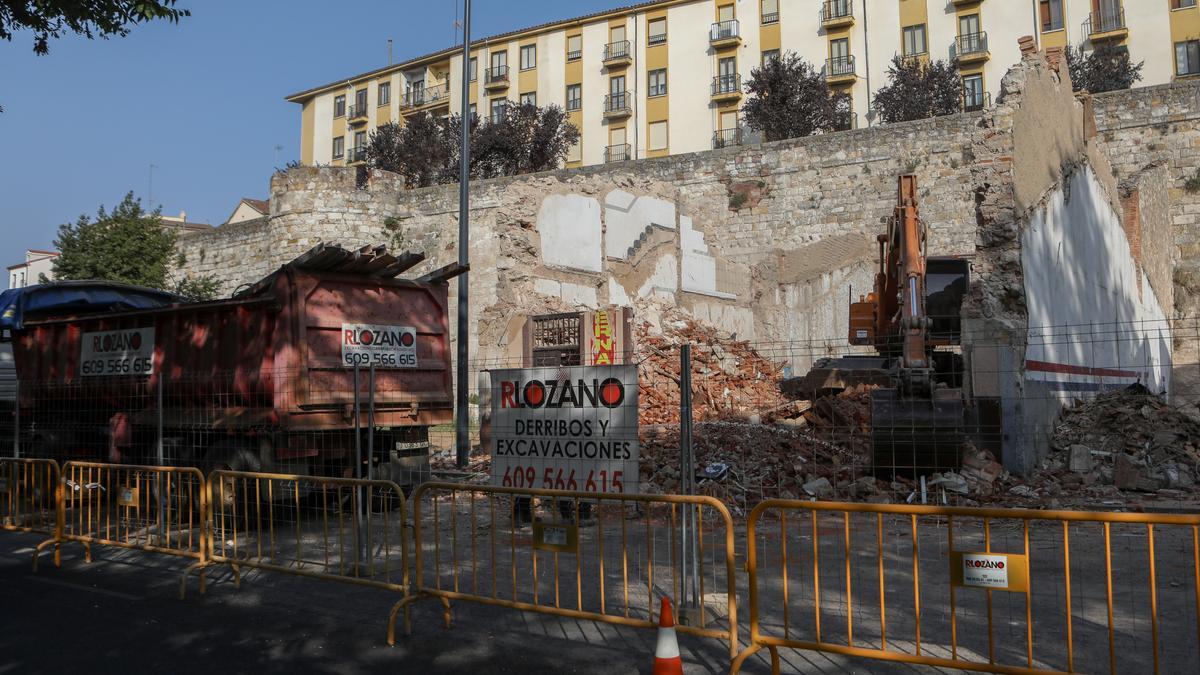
427	97
617	54
725	34
727	87
974	101
972	48
1106	26
617	106
617	153
770	18
727	138
357	114
356	155
495	78
837	13
840	70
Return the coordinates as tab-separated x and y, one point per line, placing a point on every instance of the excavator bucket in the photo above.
917	436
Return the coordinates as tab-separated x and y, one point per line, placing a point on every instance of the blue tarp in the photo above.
76	297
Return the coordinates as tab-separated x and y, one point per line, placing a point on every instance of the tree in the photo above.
128	245
425	151
789	98
92	19
1106	68
918	89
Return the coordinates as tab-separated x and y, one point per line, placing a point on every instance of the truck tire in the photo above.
230	457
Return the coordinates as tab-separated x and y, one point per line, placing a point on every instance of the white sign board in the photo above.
365	344
570	428
128	351
985	571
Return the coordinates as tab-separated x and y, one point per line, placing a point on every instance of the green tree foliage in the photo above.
1106	68
425	151
789	98
918	89
91	18
128	245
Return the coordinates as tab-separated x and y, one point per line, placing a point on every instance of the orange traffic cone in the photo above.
666	654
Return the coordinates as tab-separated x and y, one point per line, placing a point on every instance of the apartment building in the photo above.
666	77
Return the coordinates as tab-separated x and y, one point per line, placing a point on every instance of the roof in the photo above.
187	227
300	97
260	205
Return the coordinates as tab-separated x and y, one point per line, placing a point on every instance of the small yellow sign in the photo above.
127	496
995	571
557	537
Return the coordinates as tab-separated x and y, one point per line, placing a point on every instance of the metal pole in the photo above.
358	511
17	419
158	452
370	419
462	428
687	472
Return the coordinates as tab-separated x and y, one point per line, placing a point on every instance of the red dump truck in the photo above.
265	380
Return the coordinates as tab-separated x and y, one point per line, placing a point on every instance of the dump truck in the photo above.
278	377
911	323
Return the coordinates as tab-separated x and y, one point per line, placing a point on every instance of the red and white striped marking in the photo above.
666	654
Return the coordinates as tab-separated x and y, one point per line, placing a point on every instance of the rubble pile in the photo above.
824	453
730	380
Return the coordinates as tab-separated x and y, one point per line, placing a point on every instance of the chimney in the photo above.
182	216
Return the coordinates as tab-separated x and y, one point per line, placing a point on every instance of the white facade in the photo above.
37	264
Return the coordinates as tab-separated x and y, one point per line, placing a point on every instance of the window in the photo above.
529	99
1181	4
769	54
616	34
1187	58
499	109
574	96
473	69
657	31
658	82
473	111
575	152
360	100
528	57
972	92
1051	14
770	11
658	135
616	85
339	106
385	93
914	40
574	47
499	59
839	49
725	13
968	25
339	147
360	140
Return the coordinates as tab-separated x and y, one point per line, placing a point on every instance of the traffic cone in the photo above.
666	654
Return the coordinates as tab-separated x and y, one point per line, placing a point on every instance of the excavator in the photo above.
911	321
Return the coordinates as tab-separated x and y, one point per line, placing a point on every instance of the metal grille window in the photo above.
528	57
657	32
973	92
658	82
339	106
385	93
1187	58
914	40
770	11
574	96
556	339
574	47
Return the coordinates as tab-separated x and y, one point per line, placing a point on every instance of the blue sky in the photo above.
202	100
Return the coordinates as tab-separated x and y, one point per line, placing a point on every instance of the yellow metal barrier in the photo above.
29	495
964	587
149	508
618	554
341	529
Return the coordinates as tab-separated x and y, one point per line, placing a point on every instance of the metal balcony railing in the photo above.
618	103
727	84
496	74
616	50
839	66
973	101
831	10
772	17
356	111
356	155
575	55
724	30
1104	21
971	43
725	138
617	153
427	95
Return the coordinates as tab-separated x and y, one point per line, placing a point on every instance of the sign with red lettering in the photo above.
365	345
128	351
571	428
997	571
